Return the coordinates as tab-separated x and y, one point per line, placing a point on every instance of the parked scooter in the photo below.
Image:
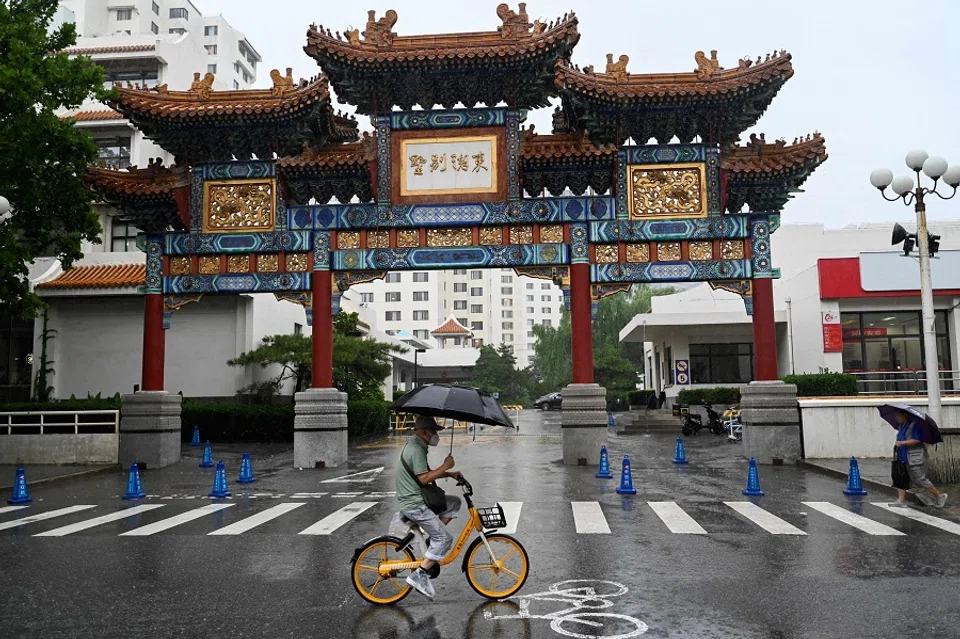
732	424
692	423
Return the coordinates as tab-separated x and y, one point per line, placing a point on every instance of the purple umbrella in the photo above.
929	431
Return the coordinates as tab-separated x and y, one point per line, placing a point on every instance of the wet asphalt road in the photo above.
735	581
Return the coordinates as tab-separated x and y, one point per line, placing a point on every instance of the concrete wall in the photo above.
59	449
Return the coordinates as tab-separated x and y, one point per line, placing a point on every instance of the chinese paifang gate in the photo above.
642	179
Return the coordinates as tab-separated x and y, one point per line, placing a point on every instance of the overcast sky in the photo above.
872	75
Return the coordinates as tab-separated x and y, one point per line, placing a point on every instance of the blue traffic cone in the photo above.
134	489
753	481
220	482
626	479
20	494
196	436
246	471
680	457
604	471
610	421
207	461
854	485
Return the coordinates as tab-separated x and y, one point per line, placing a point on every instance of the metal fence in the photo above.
905	383
81	422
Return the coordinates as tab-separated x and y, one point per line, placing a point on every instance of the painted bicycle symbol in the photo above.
582	620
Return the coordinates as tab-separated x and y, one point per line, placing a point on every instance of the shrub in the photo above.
367	417
722	395
640	397
617	400
72	404
823	384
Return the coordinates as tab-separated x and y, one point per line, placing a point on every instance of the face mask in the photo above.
434	439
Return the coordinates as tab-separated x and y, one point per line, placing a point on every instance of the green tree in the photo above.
43	159
496	372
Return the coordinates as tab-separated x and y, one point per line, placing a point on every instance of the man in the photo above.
911	451
412	474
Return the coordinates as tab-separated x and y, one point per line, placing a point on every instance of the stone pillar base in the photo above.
320	428
584	422
771	422
150	429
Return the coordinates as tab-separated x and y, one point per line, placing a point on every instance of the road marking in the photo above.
96	521
47	515
366	476
302	495
511	511
676	518
930	520
589	518
860	523
182	518
346	495
10	509
334	520
769	522
253	521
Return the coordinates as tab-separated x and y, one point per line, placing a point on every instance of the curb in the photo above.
59	478
839	474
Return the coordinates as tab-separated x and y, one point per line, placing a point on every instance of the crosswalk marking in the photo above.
50	514
253	521
769	522
182	518
675	518
511	511
96	521
852	519
930	520
336	519
589	518
10	509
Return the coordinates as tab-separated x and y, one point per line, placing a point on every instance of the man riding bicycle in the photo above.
413	474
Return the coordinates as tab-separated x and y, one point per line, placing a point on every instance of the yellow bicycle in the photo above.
496	565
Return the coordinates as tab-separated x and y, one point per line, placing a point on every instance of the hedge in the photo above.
726	396
72	404
640	397
824	384
368	417
617	400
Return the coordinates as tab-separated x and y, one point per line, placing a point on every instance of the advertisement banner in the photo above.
832	333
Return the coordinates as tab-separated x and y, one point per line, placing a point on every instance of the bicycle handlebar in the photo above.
467	488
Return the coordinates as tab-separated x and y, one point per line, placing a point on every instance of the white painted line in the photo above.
334	520
930	520
676	519
182	518
346	495
363	477
511	510
298	495
96	521
852	519
10	509
589	518
47	515
769	522
253	521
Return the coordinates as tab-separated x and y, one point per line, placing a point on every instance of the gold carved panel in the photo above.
608	253
491	236
268	263
521	235
239	205
668	252
667	190
449	237
179	266
552	234
238	264
209	264
378	239
701	251
732	249
297	262
638	253
348	240
408	239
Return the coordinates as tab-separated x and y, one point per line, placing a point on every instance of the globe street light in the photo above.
4	209
905	189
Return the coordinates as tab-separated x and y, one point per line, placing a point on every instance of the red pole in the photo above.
154	342
322	371
764	331
581	323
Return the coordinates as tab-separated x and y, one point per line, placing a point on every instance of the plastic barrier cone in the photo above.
604	471
753	481
626	479
196	436
207	461
220	482
680	457
246	471
20	494
134	489
854	485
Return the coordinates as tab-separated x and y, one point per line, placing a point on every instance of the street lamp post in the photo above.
416	353
903	188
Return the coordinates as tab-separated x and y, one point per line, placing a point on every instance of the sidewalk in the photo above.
875	472
49	473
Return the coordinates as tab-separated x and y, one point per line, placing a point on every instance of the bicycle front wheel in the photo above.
502	575
369	583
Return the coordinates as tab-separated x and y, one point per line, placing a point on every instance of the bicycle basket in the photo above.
492	517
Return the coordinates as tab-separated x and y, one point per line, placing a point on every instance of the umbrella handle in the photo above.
451	440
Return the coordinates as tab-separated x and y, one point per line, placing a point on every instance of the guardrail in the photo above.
911	382
404	421
60	437
81	422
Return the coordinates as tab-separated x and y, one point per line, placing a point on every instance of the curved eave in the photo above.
563	149
759	161
353	156
138	183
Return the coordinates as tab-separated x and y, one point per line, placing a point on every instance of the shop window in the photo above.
890	341
720	363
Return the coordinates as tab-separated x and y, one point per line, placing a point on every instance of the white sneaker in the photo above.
942	500
421	581
896	504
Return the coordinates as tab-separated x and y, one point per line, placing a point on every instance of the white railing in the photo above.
82	422
904	382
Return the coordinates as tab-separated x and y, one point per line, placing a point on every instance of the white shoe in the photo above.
942	500
421	582
896	504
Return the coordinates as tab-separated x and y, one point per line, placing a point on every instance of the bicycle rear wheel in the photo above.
367	580
501	578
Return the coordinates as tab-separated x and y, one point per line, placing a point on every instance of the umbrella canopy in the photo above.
454	402
929	431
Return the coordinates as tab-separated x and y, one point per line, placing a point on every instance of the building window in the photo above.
530	309
506	301
177	31
421	296
891	342
545	310
462	321
392	333
508	337
529	298
212	68
210	31
236	85
506	290
366	298
179	14
421	316
421	277
391	296
459	305
476	326
124	14
530	322
459	287
506	279
547	322
720	363
476	292
545	298
154	28
529	286
113	152
459	271
156	8
211	49
392	316
123	236
506	314
507	326
476	275
545	286
297	329
529	334
476	308
135	71
392	278
421	333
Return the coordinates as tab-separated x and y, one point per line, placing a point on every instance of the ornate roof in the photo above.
334	156
99	276
764	175
95	115
341	171
711	102
376	69
147	196
451	327
123	48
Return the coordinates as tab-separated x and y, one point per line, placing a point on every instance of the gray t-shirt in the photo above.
409	491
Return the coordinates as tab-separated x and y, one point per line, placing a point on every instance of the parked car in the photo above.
550	401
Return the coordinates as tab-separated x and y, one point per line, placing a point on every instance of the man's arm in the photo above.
437	473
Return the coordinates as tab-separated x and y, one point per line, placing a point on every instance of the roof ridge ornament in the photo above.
515	23
618	70
707	67
282	84
380	32
202	87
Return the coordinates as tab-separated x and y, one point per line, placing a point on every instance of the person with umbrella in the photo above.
915	429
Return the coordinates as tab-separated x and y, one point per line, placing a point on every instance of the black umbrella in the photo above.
929	431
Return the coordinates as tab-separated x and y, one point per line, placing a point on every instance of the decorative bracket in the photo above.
173	303
743	288
599	291
303	298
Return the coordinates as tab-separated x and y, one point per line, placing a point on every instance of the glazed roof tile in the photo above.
451	327
357	154
561	146
99	276
123	48
151	181
759	158
95	115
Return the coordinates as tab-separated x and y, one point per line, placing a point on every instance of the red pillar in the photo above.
154	343
322	371
764	331
581	323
